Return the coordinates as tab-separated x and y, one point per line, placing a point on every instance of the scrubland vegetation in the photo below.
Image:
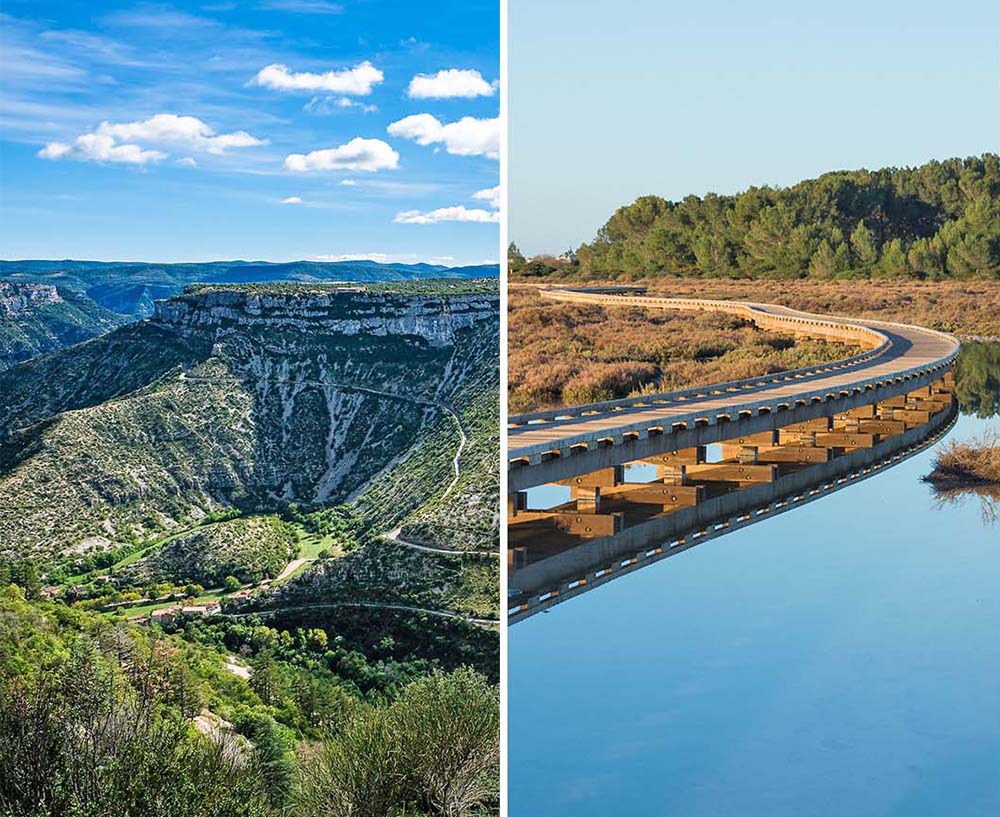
159	466
968	463
969	308
109	720
250	549
969	468
569	353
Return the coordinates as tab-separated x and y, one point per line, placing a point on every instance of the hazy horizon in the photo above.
249	261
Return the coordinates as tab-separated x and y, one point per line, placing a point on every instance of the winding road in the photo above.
483	622
394	534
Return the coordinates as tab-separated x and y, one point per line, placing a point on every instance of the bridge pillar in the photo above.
800	438
587	497
517	557
671	474
819	424
517	501
795	454
604	478
913	417
845	439
884	428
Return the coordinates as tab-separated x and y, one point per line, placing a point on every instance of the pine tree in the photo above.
863	244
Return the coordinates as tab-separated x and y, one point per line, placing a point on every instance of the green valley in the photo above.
281	502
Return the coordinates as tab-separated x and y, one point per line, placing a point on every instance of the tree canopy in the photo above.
939	220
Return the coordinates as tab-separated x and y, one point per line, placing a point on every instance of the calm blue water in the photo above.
839	660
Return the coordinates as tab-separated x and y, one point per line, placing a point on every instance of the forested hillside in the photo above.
939	220
228	718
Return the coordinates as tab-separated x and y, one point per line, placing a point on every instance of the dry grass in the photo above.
962	307
968	463
969	468
570	354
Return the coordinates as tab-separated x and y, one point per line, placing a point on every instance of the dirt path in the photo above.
290	568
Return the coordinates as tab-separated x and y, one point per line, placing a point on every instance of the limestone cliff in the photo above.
344	311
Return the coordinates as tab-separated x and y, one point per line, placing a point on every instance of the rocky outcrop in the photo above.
20	299
347	311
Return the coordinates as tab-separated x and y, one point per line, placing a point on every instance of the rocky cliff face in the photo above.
348	312
19	300
252	398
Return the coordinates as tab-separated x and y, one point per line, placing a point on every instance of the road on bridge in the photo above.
899	358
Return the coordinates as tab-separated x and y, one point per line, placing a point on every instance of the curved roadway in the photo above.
899	358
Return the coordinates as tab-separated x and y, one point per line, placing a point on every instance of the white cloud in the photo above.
331	104
186	130
380	257
356	81
349	182
292	200
466	137
449	84
95	147
457	213
491	195
187	161
303	6
129	142
366	155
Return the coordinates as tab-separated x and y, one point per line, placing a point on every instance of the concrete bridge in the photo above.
785	439
548	446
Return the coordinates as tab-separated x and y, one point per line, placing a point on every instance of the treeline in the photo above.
939	220
109	720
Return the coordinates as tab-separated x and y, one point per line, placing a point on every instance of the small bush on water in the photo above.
968	463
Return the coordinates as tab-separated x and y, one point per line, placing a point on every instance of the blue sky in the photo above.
609	101
261	129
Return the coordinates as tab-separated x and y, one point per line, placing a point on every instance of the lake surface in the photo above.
841	659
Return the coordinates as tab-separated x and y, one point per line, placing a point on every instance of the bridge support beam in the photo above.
655	493
731	472
611	451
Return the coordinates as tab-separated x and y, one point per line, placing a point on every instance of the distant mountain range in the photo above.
130	288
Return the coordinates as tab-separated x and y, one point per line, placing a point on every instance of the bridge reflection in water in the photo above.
611	527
